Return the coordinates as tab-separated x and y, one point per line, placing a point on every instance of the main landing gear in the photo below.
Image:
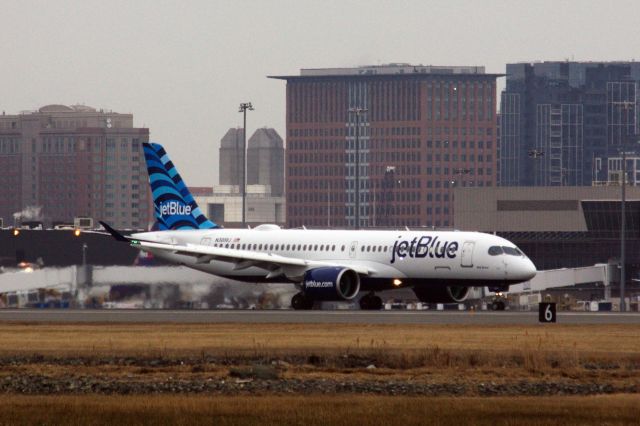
370	302
299	301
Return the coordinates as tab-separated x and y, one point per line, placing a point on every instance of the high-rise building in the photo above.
265	160
562	121
231	157
419	130
264	201
66	162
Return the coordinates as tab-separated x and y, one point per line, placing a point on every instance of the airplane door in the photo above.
466	260
353	249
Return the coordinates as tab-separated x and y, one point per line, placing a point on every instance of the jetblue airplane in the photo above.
325	265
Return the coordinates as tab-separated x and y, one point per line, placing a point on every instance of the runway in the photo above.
308	317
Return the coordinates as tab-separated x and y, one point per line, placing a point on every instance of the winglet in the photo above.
115	234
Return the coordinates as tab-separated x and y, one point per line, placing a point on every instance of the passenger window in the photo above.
495	250
333	247
304	247
322	247
342	248
315	248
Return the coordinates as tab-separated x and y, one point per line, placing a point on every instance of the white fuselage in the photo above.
417	255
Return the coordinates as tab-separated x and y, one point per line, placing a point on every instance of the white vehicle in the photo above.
326	265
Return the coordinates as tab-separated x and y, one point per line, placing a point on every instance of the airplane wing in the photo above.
242	259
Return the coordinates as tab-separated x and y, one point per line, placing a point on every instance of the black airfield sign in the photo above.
547	312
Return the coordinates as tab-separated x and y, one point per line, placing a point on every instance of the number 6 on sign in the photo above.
547	312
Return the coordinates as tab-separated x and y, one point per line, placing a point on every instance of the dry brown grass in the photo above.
433	353
183	339
318	410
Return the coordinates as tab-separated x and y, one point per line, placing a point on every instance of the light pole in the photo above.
626	106
243	109
84	254
357	111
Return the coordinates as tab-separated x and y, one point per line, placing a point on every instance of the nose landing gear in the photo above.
370	302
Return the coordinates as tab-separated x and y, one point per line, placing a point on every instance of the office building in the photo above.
231	156
265	181
265	159
420	131
562	121
74	161
223	205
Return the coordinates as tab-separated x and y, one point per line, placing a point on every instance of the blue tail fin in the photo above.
174	205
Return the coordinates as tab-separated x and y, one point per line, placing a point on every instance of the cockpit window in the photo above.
512	251
495	250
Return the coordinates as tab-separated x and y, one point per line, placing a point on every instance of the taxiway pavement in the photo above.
315	317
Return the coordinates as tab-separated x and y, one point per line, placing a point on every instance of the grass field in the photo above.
318	410
183	339
432	354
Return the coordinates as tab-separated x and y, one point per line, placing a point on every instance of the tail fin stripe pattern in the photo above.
175	207
166	194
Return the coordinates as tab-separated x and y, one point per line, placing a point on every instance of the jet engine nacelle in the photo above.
331	283
441	294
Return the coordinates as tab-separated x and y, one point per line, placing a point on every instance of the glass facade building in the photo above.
560	121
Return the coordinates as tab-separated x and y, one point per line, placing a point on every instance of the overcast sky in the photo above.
182	67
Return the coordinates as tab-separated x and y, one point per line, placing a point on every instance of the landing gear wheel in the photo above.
370	302
497	306
300	302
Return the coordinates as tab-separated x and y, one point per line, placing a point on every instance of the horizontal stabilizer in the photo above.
115	234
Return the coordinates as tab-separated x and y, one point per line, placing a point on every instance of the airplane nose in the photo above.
523	269
528	269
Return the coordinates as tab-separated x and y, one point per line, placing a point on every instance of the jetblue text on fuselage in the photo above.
425	246
174	208
318	284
